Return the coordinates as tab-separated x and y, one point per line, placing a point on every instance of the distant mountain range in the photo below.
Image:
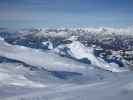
107	38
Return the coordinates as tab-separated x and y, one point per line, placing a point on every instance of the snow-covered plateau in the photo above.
66	64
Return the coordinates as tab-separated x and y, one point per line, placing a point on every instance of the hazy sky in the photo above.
66	13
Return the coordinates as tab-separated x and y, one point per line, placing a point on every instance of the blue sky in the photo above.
65	13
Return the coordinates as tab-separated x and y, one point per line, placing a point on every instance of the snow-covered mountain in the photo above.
107	38
55	63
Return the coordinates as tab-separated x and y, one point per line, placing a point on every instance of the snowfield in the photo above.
11	74
116	90
63	67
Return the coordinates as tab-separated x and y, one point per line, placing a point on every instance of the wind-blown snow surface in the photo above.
35	74
107	90
12	74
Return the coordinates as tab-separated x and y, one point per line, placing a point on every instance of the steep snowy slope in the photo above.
77	50
39	58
